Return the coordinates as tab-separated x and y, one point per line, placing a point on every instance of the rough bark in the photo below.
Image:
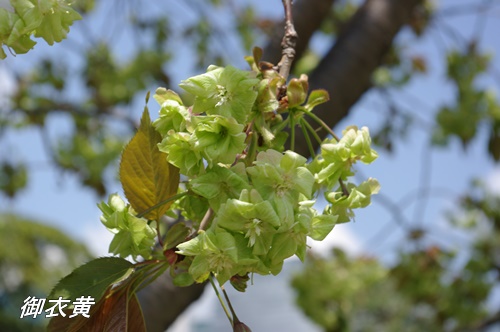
345	72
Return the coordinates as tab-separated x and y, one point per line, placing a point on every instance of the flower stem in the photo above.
306	137
211	278
235	318
323	124
312	131
292	131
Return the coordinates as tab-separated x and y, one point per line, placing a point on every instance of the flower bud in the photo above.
240	327
239	282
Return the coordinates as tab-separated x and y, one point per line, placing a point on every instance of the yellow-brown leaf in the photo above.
146	176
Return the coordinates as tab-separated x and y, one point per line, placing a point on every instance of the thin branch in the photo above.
288	43
467	9
424	182
345	191
308	15
480	24
492	320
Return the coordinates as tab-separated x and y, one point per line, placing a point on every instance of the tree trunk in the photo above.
162	302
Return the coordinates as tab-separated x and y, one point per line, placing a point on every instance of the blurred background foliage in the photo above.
429	288
33	257
95	80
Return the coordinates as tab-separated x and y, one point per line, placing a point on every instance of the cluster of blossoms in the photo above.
133	236
251	202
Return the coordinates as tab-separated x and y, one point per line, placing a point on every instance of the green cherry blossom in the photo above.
219	184
359	197
182	153
214	252
113	213
218	139
338	157
229	92
173	116
281	178
251	216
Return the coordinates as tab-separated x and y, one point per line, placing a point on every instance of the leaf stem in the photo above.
157	205
211	278
147	262
150	275
158	232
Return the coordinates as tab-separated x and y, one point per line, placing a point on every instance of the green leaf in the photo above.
92	279
175	235
146	176
57	18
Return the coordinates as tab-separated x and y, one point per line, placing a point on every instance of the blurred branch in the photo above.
489	322
78	111
467	9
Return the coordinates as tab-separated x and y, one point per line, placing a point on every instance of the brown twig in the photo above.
345	191
288	43
206	220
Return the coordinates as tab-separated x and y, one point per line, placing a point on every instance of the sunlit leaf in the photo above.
146	176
